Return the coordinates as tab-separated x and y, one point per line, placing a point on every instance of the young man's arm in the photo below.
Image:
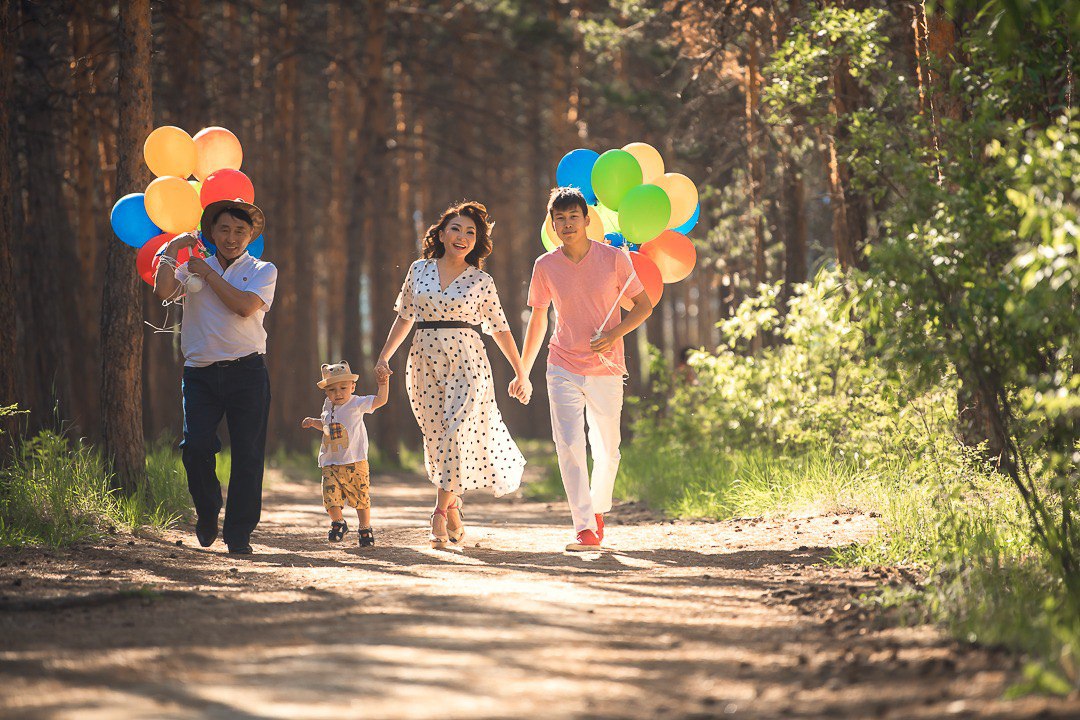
534	338
638	314
382	395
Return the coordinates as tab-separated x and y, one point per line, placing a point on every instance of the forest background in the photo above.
885	300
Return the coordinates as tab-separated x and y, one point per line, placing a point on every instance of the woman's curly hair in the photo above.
433	247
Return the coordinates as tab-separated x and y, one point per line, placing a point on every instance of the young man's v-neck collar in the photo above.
576	263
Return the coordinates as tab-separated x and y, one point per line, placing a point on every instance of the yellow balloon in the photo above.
169	151
683	195
173	204
648	157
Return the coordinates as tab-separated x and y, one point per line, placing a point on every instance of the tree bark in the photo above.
121	312
848	206
8	330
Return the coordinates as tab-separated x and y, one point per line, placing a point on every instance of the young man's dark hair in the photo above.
564	198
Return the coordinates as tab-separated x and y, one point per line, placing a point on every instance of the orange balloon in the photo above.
673	254
173	205
216	149
169	151
649	275
594	230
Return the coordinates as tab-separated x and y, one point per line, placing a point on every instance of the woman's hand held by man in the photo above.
521	390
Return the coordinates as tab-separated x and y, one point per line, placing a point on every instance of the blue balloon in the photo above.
632	247
687	226
254	249
130	221
575	170
616	239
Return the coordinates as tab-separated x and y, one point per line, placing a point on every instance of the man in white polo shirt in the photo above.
223	341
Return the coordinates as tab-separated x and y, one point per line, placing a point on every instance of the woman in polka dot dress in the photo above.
450	300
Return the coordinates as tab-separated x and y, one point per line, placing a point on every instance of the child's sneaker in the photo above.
600	526
586	540
338	528
367	537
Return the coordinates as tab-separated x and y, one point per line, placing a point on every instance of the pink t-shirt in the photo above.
583	294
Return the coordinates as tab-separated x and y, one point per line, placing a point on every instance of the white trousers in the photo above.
576	400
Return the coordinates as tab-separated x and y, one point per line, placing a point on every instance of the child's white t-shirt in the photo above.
345	438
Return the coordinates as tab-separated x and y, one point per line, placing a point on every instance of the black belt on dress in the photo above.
445	324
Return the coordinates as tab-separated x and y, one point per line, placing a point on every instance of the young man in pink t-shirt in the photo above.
585	280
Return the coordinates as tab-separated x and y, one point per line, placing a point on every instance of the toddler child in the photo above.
343	455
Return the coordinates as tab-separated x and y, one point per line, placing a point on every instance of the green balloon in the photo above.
548	245
644	213
610	218
613	175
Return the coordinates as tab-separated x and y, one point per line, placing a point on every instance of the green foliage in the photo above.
56	492
817	387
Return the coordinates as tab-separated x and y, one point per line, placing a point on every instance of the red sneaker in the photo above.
600	526
586	540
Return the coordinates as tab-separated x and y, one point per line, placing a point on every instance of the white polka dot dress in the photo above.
466	444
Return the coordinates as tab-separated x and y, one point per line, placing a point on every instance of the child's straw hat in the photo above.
337	372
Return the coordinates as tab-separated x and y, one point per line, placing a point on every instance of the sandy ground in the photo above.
733	619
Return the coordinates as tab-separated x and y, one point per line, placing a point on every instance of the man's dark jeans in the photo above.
241	393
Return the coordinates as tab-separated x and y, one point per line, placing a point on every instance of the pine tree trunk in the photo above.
121	312
8	330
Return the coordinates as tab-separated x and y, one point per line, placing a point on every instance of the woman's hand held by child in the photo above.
382	371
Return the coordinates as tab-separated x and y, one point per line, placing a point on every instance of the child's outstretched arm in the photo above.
383	393
313	423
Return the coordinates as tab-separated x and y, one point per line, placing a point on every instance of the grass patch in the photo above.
55	491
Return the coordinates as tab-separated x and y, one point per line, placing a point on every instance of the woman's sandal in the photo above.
338	528
367	537
455	530
438	541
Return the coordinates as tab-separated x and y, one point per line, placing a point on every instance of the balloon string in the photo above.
177	298
604	360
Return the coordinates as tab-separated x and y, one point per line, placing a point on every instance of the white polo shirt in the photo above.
210	331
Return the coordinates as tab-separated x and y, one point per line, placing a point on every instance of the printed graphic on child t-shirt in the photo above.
335	439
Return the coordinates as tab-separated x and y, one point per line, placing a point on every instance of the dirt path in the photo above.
677	620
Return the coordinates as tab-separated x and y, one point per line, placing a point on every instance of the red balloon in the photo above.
649	275
673	253
226	184
146	260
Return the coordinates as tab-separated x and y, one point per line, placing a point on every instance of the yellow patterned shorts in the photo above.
346	485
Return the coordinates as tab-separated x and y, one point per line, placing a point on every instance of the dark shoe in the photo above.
338	528
244	549
206	531
367	537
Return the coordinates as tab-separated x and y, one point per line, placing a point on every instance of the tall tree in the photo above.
121	310
8	330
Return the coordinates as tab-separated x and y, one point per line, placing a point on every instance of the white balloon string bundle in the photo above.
604	360
175	299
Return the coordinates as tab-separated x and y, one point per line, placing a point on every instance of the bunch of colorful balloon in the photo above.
173	204
635	205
